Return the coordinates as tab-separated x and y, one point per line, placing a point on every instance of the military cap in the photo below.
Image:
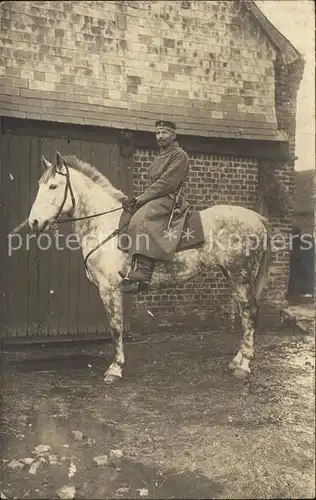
166	124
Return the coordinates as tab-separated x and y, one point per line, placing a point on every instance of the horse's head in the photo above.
54	195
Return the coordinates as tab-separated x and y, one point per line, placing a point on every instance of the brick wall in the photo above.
112	63
211	180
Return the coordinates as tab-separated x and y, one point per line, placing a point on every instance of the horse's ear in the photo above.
59	160
45	163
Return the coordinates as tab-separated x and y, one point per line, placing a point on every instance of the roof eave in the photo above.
288	52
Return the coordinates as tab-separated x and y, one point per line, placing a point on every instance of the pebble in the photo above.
41	449
78	435
101	460
72	470
116	453
91	441
16	465
34	467
27	461
53	459
66	492
143	492
122	491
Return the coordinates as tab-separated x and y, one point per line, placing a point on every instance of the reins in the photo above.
88	216
112	235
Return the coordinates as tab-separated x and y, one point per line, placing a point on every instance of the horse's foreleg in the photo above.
113	302
248	312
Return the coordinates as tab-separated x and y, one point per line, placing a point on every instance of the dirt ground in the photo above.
180	425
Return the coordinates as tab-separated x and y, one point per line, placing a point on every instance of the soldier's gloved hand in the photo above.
139	202
128	202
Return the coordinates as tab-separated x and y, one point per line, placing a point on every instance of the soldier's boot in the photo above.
141	274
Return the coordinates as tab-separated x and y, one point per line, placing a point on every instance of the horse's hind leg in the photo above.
248	309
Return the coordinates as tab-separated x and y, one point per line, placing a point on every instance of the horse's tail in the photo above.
265	260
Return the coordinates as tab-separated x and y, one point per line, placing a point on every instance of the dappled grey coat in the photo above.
148	226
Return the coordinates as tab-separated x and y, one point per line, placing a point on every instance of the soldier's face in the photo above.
164	137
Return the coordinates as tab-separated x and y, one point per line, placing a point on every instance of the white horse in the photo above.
236	240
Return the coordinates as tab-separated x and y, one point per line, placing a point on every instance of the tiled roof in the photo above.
236	127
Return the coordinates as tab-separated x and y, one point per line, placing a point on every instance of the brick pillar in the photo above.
276	184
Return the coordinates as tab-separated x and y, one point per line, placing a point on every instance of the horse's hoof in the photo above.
111	379
233	365
241	373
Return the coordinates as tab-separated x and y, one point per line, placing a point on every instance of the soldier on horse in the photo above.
73	188
159	213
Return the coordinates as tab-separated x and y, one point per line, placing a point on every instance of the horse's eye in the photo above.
53	186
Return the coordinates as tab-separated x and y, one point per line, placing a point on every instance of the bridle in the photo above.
67	188
56	220
73	219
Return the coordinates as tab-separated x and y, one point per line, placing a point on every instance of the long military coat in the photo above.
148	228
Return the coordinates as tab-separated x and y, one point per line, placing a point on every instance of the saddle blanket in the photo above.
192	233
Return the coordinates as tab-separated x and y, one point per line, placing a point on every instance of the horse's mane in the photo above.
91	172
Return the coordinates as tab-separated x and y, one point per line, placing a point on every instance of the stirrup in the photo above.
125	276
129	286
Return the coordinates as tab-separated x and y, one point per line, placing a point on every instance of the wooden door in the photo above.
46	293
